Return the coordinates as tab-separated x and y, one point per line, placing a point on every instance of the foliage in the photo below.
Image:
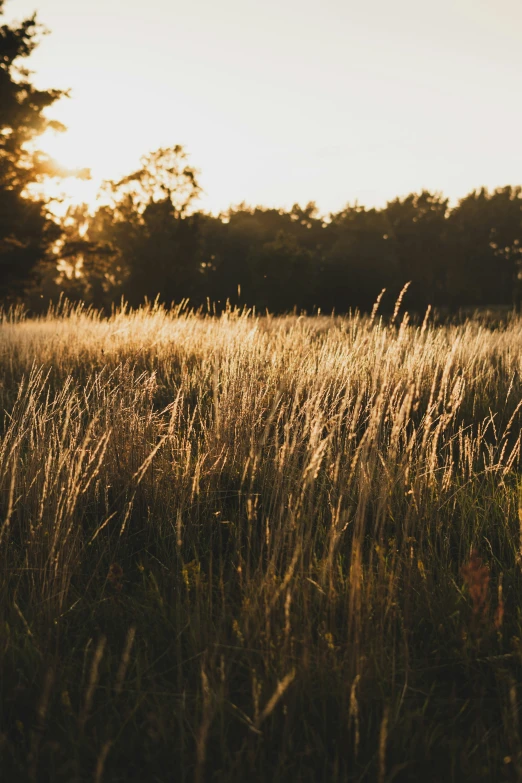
149	241
143	242
164	177
486	231
27	231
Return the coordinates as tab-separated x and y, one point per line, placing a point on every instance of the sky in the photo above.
285	101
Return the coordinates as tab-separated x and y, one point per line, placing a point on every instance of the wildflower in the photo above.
476	578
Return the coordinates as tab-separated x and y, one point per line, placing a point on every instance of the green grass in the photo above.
232	548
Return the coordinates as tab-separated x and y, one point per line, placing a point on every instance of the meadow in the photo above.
259	548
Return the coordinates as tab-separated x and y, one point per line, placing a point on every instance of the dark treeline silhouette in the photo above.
148	239
468	256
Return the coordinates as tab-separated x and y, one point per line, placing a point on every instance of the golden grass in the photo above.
276	548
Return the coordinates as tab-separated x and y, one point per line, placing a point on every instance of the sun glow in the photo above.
69	152
391	98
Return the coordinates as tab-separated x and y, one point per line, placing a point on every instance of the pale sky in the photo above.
283	101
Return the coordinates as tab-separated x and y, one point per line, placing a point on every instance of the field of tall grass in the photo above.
255	548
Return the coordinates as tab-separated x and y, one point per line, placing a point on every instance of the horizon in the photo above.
352	105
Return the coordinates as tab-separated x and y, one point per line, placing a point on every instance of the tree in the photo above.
283	274
164	176
146	241
27	230
417	237
359	259
486	235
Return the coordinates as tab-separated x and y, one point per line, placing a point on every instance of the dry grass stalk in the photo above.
125	659
265	485
93	681
281	687
383	741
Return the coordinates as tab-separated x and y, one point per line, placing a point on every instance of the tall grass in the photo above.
259	548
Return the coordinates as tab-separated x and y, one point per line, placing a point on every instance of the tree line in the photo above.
148	239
